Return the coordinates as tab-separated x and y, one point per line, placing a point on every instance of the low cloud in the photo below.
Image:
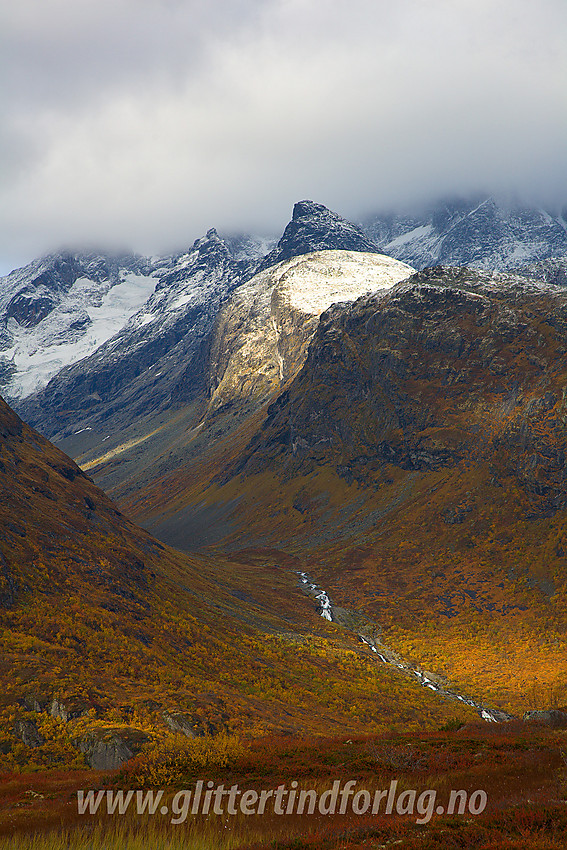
143	123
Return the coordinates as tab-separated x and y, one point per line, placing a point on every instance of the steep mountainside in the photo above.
549	271
427	352
262	333
417	465
483	233
111	640
59	309
58	528
258	344
62	309
155	361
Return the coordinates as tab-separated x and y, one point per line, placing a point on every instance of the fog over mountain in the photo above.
141	125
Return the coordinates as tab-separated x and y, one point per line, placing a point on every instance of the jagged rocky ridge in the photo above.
481	232
156	360
159	359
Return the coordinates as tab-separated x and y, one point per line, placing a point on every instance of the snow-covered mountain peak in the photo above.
313	227
157	351
480	232
161	357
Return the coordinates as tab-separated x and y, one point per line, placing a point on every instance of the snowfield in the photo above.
88	315
312	282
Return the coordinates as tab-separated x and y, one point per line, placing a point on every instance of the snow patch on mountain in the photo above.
89	314
155	359
315	282
415	235
485	233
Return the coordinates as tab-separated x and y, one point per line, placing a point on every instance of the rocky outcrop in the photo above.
313	227
176	721
552	718
108	749
28	733
67	711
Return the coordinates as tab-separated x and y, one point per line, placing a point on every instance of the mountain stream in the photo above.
387	656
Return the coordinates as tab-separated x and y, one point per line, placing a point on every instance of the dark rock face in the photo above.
315	228
553	271
479	232
28	733
48	307
447	365
64	711
32	292
263	332
28	309
108	755
38	286
109	749
551	717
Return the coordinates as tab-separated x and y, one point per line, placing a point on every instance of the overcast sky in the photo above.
145	122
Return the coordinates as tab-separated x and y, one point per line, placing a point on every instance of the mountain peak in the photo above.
210	238
482	231
303	209
313	227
